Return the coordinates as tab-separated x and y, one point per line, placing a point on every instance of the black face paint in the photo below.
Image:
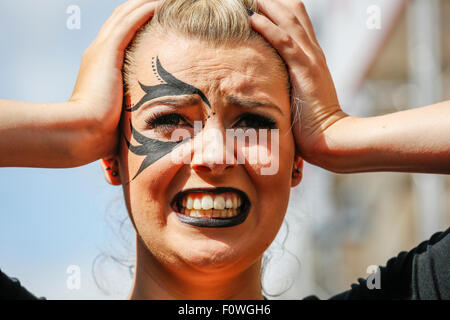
151	148
172	87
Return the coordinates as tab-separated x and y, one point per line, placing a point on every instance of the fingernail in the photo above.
250	12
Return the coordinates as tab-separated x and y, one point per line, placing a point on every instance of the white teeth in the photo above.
207	203
197	204
211	206
235	203
219	203
211	213
189	203
195	213
207	213
229	203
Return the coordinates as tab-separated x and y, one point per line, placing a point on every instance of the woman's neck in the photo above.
154	281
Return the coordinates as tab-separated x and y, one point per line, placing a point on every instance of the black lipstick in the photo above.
211	222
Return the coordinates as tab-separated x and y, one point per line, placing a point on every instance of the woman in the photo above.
203	211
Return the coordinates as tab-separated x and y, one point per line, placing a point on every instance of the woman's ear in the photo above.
297	170
110	167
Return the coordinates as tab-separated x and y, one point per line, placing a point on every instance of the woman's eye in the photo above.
167	121
256	121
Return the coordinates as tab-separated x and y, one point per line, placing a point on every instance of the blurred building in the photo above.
398	62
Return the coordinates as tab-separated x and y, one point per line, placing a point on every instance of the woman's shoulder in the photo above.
422	273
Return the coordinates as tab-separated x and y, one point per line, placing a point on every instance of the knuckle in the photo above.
319	56
92	51
119	9
296	4
316	68
286	41
86	54
292	19
126	21
303	35
322	58
116	11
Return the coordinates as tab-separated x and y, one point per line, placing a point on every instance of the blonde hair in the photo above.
217	22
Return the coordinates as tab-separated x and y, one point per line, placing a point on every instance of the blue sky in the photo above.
51	219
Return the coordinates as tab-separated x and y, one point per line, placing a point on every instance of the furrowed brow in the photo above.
182	101
246	104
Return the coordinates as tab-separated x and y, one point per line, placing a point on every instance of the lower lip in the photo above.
215	222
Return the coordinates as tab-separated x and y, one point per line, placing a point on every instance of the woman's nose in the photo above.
211	152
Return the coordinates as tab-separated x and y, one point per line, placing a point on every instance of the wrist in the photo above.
314	137
340	146
90	140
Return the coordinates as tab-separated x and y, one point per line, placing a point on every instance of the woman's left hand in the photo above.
286	25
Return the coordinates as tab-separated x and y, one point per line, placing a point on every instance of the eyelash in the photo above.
166	122
259	121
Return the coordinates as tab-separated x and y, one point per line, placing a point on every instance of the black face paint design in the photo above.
172	87
151	148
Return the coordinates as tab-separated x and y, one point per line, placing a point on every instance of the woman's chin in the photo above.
211	259
205	253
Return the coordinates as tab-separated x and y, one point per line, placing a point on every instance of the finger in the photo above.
284	17
286	46
132	22
119	14
124	9
123	31
299	9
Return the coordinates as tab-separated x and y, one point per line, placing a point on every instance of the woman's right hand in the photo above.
83	129
98	92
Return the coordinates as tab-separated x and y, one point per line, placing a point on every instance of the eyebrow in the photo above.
186	101
171	87
243	103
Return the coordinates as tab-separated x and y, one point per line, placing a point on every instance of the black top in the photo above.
420	274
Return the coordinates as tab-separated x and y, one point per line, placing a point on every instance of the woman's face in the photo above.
203	209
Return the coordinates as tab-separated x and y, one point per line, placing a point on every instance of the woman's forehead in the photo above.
245	67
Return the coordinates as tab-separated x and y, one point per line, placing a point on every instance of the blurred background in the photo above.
385	56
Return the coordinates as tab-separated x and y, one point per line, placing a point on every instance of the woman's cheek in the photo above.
149	193
263	154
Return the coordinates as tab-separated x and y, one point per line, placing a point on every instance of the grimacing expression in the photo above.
176	82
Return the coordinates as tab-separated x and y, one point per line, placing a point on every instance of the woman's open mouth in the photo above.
213	208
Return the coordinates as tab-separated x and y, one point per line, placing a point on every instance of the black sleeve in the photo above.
10	289
420	274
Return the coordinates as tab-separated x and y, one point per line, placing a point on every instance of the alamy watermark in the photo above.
251	145
73	281
74	20
373	21
373	281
